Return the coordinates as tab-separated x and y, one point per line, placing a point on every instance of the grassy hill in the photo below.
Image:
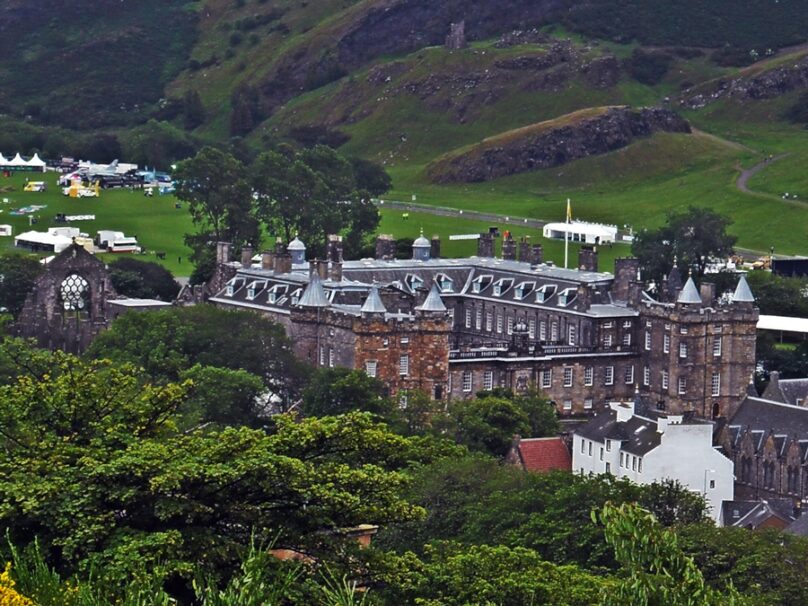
374	73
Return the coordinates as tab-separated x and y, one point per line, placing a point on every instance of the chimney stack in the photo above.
434	252
707	292
588	258
267	261
222	253
385	247
536	254
322	268
508	247
246	256
485	245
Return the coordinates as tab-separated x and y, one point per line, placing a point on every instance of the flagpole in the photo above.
567	238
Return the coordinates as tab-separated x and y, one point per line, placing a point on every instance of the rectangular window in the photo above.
608	324
666	344
646	376
608	468
546	378
583	445
682	386
716	346
330	357
627	339
567	404
626	323
571	335
647	341
590	448
716	384
449	384
682	350
607	340
531	329
489	321
405	340
589	376
478	319
322	355
633	463
568	377
554	332
499	323
683	330
665	378
639	465
542	331
488	380
588	404
609	378
404	365
608	445
601	453
468	318
466	380
370	368
621	460
510	325
629	375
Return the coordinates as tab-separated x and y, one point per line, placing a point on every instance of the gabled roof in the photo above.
798	526
637	435
433	301
690	294
544	454
763	415
751	514
743	294
373	304
314	295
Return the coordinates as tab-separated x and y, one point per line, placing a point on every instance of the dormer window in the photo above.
414	282
523	290
233	285
481	283
545	292
277	292
444	282
253	288
567	296
296	296
501	286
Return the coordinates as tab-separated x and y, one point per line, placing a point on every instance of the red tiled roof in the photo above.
544	454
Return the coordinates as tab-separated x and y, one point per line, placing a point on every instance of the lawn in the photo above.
157	223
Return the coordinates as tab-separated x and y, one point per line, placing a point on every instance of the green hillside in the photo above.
373	77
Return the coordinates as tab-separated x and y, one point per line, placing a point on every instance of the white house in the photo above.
650	446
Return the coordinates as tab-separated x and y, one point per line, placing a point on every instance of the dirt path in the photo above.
743	178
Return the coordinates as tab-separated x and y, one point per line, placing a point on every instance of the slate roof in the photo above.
544	454
638	435
373	304
314	295
690	294
433	301
798	526
743	294
764	415
751	514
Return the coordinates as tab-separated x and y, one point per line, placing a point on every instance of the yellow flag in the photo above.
569	211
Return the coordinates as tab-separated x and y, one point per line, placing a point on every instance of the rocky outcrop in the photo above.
768	85
390	27
556	142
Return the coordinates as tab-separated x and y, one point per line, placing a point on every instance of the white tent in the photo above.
579	231
39	241
3	160
17	161
36	162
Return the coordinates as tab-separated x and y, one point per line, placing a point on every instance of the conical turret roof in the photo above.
314	295
433	301
743	294
690	294
373	304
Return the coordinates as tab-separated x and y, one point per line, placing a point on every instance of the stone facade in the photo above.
582	336
69	303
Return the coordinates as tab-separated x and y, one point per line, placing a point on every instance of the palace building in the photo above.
452	327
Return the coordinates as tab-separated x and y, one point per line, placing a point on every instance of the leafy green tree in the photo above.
95	466
168	343
314	194
224	396
778	295
158	144
334	391
541	412
215	186
17	276
489	424
691	238
455	575
371	177
657	571
142	279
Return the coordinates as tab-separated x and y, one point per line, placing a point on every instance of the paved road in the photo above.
743	178
443	211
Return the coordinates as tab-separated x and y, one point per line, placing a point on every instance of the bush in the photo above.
142	279
648	67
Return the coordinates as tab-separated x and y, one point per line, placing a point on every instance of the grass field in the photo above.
158	225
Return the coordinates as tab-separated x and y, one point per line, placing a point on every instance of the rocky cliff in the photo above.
579	135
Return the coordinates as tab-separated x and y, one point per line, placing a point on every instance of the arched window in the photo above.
74	292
